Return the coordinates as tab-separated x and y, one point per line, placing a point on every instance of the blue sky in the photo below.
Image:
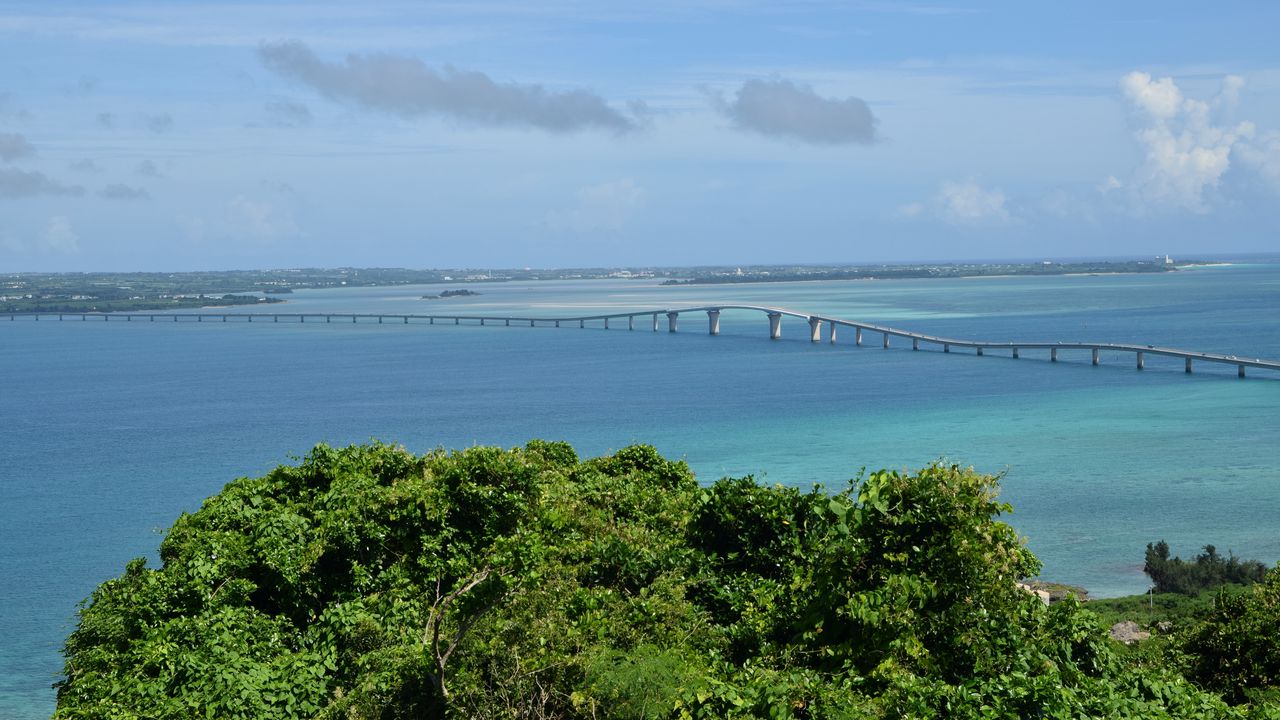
193	135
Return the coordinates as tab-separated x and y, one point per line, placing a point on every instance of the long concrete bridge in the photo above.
815	325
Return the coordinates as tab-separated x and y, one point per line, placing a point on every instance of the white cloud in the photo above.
1263	155
260	220
604	207
969	202
1185	152
60	237
911	210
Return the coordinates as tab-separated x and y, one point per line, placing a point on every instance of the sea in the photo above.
110	430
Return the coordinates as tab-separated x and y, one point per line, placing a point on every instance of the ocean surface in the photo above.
110	430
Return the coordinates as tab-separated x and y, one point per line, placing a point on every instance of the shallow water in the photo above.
112	429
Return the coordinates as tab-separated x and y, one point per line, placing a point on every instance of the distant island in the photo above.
451	294
124	291
793	273
105	302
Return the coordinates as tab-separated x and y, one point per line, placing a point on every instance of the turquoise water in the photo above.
111	430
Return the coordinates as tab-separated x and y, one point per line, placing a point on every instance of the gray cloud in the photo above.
405	86
146	168
9	110
106	119
16	183
85	165
781	108
118	191
14	146
290	113
161	123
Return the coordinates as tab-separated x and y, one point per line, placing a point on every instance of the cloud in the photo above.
60	237
1185	153
119	191
9	110
147	168
781	108
159	124
969	202
288	113
910	210
14	146
260	220
16	183
405	86
106	119
1263	155
604	207
85	165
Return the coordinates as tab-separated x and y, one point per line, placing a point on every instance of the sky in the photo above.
497	134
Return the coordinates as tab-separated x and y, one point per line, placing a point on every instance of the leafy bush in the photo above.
367	582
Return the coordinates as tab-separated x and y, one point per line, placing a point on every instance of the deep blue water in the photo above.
112	429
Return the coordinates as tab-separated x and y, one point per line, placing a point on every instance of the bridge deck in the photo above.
535	320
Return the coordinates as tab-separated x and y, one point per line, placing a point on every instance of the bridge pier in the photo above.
886	340
582	324
557	323
508	322
979	351
353	319
127	318
631	322
1239	371
946	347
713	322
775	325
815	329
655	322
915	343
457	321
1053	354
1141	363
250	317
833	332
606	323
1095	356
481	322
857	336
1188	366
328	318
1015	353
671	321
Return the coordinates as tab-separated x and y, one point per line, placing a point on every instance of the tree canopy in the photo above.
367	582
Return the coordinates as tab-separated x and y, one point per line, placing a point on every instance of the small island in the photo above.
451	294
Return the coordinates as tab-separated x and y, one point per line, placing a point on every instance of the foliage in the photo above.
367	582
1208	570
1175	609
1236	649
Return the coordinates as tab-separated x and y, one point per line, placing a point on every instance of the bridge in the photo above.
815	325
